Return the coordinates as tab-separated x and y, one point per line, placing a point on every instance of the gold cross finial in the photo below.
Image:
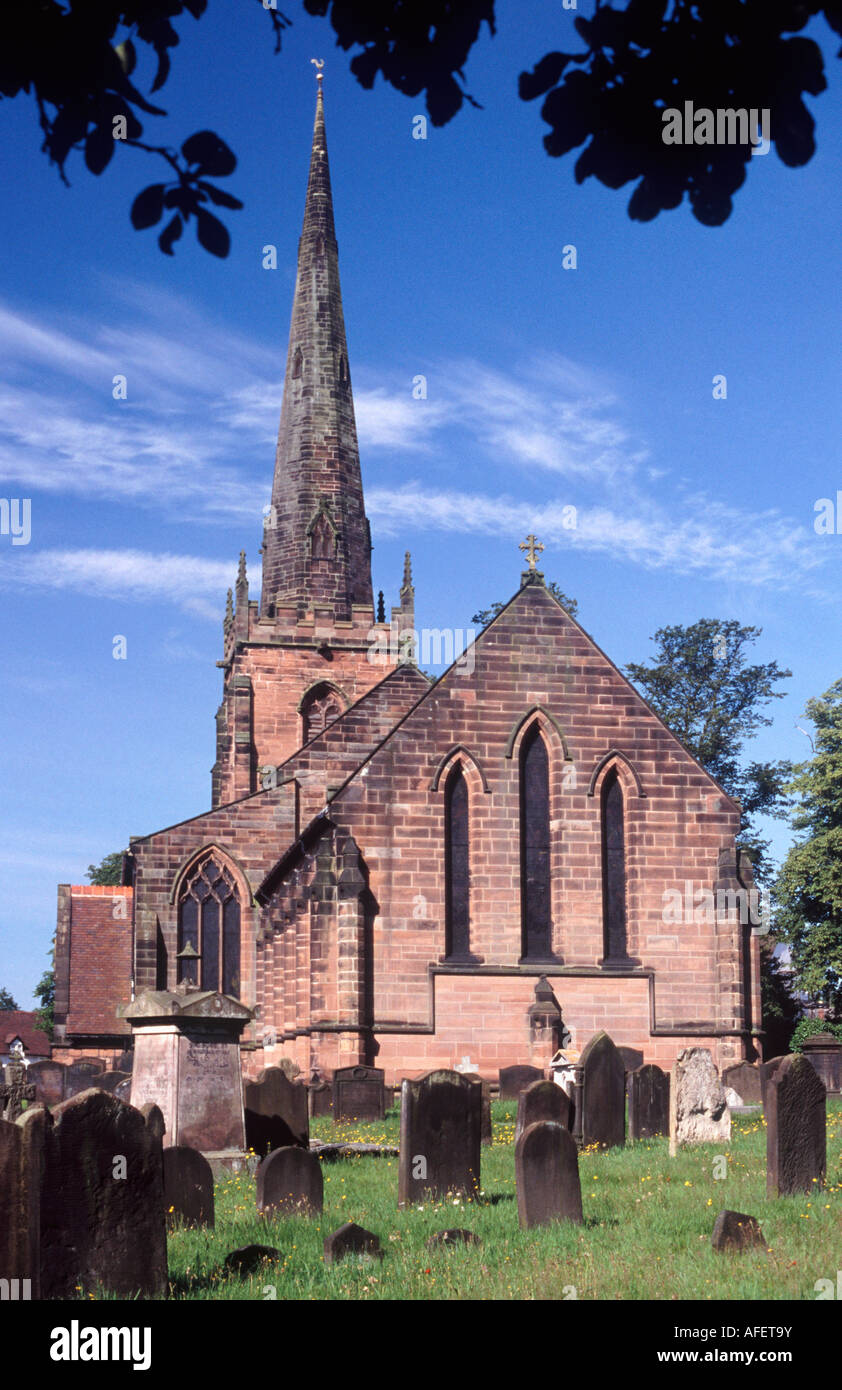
318	63
530	545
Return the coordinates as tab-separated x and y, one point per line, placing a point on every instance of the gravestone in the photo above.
187	1061
824	1052
452	1238
486	1125
358	1094
289	1183
21	1164
352	1240
81	1075
290	1068
188	1187
123	1090
603	1093
16	1091
513	1080
48	1080
767	1071
547	1175
746	1080
733	1230
276	1112
125	1061
441	1137
542	1100
110	1080
796	1138
649	1102
321	1099
248	1258
632	1058
699	1113
102	1200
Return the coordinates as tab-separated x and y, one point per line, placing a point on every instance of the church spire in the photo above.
317	548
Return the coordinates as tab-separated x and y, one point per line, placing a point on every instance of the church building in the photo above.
406	873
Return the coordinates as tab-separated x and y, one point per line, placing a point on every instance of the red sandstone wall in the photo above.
100	954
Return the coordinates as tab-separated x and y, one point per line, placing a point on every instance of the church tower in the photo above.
295	661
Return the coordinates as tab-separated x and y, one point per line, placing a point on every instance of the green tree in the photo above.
7	1001
77	59
485	615
703	687
808	889
109	873
779	1010
45	990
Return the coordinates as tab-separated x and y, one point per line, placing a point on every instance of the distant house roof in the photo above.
20	1023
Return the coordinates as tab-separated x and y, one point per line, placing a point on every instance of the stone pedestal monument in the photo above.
187	1062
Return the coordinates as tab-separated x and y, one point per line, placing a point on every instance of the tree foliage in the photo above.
808	890
108	873
707	693
77	58
45	990
7	1001
570	605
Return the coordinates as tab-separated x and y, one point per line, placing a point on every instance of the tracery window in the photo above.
209	921
321	706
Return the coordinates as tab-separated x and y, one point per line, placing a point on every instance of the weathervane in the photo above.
319	64
531	544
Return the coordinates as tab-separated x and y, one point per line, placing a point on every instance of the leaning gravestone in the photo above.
699	1112
733	1230
102	1200
188	1187
289	1183
542	1100
276	1112
746	1080
359	1094
603	1094
441	1137
513	1080
48	1080
81	1075
547	1175
649	1102
351	1240
796	1125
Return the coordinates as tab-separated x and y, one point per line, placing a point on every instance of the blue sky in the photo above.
546	388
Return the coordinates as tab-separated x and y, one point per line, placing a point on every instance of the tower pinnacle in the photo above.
317	548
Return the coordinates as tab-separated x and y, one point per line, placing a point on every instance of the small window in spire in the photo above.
297	363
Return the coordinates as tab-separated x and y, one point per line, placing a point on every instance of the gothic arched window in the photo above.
322	543
613	870
535	847
209	921
456	866
320	707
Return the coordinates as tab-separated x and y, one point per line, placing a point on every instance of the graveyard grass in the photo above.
646	1235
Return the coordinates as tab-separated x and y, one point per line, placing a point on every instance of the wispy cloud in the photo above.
197	586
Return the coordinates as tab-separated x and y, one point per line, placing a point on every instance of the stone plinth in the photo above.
187	1061
824	1051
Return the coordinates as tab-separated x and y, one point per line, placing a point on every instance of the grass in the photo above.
648	1220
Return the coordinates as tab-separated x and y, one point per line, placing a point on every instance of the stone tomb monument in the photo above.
187	1062
359	1094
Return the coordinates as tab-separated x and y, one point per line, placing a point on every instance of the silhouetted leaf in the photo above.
210	153
148	207
212	233
219	196
99	147
171	233
543	76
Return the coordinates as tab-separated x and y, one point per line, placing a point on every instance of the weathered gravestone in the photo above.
441	1137
125	1061
81	1075
542	1100
48	1080
746	1080
359	1094
123	1090
603	1094
824	1052
289	1067
452	1239
649	1102
351	1240
320	1099
289	1183
110	1080
21	1164
733	1230
276	1112
513	1080
699	1112
187	1061
632	1058
248	1258
767	1071
547	1175
16	1091
486	1127
102	1200
796	1139
188	1187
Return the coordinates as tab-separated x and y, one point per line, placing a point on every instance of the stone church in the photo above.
409	873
